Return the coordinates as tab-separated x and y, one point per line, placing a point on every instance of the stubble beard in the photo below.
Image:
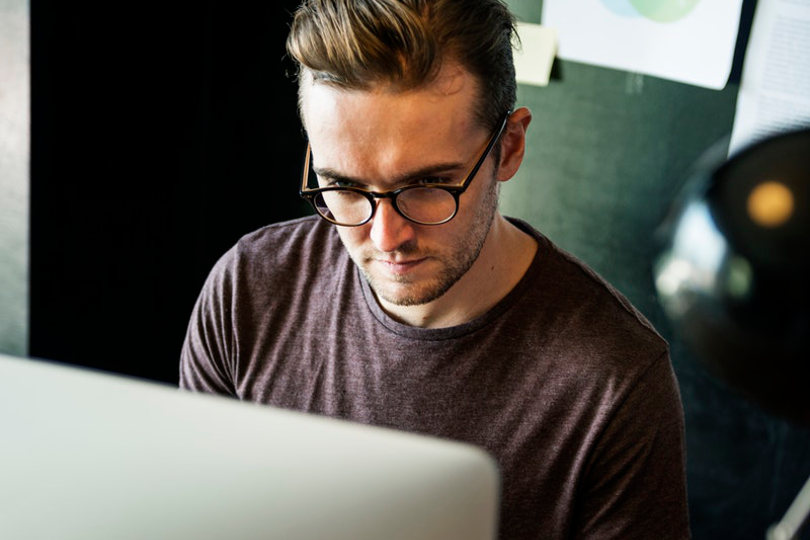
454	264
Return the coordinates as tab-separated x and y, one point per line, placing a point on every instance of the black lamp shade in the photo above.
733	273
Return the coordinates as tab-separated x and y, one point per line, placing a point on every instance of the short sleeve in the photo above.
635	483
206	358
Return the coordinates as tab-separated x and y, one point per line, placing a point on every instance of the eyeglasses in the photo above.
424	204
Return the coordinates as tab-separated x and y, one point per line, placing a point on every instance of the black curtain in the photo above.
161	133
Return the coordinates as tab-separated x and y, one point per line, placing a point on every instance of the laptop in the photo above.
91	455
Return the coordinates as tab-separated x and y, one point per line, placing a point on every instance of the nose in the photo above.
389	230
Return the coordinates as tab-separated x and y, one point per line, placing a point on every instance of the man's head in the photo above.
396	95
402	44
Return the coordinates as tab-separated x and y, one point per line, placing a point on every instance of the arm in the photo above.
636	482
207	356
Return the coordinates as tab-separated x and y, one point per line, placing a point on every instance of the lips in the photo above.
400	267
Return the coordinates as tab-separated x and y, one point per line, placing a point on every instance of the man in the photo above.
410	302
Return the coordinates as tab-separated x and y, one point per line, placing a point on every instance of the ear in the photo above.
513	143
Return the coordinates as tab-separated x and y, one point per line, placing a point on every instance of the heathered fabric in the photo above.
567	385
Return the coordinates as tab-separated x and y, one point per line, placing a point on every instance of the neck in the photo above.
504	258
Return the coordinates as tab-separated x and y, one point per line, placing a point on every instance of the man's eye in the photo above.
328	182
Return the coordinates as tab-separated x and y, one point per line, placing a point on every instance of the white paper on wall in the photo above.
690	41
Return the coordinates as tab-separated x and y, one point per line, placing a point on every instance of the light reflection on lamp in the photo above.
770	204
693	263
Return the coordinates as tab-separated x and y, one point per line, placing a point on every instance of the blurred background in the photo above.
161	133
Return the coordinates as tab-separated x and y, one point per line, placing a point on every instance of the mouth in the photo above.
400	267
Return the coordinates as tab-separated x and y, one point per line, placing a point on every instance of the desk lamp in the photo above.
734	278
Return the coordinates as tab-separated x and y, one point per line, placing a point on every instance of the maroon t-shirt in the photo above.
563	381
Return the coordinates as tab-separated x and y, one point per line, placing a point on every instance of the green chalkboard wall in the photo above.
607	152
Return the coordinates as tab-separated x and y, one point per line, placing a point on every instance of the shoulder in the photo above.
287	239
280	256
588	315
279	245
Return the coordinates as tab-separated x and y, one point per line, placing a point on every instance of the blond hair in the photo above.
360	44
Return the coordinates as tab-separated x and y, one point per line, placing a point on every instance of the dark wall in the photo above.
160	134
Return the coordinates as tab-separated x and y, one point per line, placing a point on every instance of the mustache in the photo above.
405	249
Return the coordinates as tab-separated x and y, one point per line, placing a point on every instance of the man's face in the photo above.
383	140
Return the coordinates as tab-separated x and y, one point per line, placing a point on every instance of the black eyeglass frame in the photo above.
309	194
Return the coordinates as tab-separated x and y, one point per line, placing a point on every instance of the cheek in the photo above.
353	237
474	201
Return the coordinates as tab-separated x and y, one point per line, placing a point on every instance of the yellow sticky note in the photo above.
534	53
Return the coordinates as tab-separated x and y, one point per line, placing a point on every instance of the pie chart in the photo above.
662	11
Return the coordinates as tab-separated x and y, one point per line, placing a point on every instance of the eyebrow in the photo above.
402	179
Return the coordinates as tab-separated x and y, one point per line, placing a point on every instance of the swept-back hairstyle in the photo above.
357	44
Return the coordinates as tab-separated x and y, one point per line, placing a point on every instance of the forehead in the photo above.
444	107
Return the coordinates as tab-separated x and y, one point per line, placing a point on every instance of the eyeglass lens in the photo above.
423	205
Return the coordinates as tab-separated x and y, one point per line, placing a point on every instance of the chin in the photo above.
410	294
406	300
